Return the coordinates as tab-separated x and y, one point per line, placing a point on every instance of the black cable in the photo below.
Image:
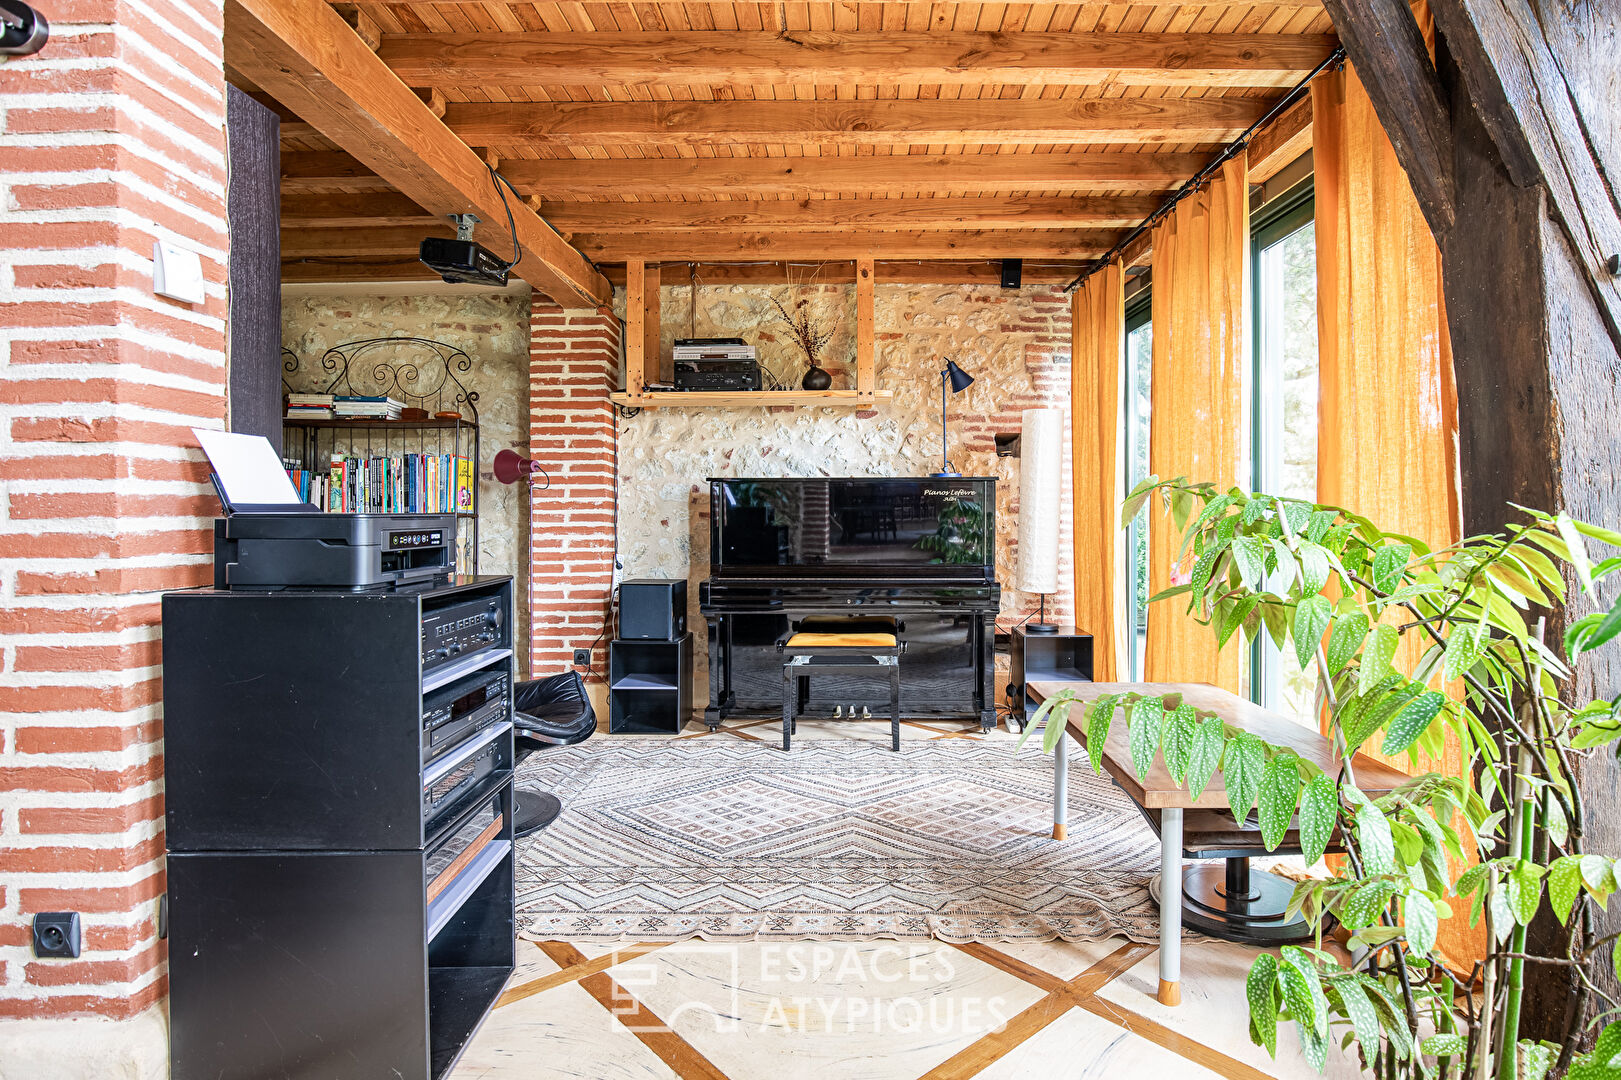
1230	151
501	183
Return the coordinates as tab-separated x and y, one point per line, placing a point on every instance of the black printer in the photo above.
270	539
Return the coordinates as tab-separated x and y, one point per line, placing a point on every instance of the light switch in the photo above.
177	272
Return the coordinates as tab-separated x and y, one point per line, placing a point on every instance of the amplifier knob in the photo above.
494	616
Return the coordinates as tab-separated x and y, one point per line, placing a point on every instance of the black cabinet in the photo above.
339	908
1066	655
649	685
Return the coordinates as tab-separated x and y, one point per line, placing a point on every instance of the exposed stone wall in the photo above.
493	329
1015	343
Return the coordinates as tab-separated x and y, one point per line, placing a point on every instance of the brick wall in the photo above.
574	363
110	138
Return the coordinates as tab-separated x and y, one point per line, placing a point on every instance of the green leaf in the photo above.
1293	958
1374	839
1235	618
1261	987
1319	810
1313	1048
1388	565
1463	650
1524	887
1246	760
1376	656
1539	1058
1599	876
1564	885
1201	572
1147	718
1576	547
1295	515
1280	789
1412	722
1318	525
1606	630
1363	1016
1098	719
1205	755
1363	907
1314	568
1312	617
1135	499
1422	920
1447	1044
1602	1063
1349	630
1178	741
1250	555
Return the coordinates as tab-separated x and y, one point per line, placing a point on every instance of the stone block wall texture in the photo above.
110	138
574	361
493	329
1016	344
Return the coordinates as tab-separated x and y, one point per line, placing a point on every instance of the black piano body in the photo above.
920	550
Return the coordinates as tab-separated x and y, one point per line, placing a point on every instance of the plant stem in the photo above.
1520	848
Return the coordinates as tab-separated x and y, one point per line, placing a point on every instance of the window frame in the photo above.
1139	312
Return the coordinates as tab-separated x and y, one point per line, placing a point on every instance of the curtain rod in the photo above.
1230	151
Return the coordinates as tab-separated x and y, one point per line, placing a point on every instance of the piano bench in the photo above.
808	655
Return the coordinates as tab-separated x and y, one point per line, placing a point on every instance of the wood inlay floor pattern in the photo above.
1060	995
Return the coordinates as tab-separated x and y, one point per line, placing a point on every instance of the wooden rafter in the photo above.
337	268
1280	142
871	58
307	57
877	123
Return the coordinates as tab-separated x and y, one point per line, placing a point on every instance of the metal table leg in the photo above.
790	693
1061	787
1170	906
894	703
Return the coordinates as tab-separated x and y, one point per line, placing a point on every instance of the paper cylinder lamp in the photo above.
1041	445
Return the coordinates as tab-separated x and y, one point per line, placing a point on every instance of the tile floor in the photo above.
870	1011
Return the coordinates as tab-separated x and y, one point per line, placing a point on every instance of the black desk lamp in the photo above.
953	380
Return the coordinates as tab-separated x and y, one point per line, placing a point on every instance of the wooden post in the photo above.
652	353
866	376
635	325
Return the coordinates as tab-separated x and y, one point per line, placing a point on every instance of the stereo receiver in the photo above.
459	629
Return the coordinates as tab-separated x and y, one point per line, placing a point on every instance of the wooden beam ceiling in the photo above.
860	123
734	246
643	59
305	55
1280	142
805	215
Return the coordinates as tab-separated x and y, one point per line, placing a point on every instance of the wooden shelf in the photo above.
714	399
370	422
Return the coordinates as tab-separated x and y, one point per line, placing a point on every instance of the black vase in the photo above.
816	379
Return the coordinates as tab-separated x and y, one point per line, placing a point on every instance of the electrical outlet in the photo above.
582	657
56	933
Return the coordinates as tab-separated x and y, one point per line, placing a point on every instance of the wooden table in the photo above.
1159	792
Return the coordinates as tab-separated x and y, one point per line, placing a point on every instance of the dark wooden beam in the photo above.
1280	142
642	58
842	272
1387	49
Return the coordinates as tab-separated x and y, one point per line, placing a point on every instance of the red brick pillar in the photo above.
109	139
573	364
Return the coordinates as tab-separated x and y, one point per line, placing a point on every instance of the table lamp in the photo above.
953	380
1040	489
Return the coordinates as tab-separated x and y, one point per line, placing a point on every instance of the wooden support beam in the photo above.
890	174
361	22
327	211
1280	142
1387	49
635	325
866	372
773	246
303	54
648	59
842	272
652	330
334	269
805	215
874	123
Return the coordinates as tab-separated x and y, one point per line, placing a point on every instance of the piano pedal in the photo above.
866	713
838	711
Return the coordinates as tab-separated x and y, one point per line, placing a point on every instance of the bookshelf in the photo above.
420	373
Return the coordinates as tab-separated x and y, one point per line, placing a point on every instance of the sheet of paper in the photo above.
248	469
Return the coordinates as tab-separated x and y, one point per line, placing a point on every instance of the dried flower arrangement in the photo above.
811	335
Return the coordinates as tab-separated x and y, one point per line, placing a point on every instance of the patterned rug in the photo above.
727	839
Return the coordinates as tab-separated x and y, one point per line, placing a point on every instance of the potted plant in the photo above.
1345	595
811	336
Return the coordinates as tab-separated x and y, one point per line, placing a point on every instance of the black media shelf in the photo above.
649	685
1065	656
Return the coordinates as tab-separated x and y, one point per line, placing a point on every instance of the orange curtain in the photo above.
1387	410
1098	318
1199	423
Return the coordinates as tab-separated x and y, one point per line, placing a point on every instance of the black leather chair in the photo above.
554	711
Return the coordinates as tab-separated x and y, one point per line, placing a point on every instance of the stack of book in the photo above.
309	406
354	407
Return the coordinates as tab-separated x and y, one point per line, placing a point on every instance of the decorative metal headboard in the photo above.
420	372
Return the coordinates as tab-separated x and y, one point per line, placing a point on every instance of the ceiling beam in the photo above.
573	178
830	58
735	246
1280	142
304	54
328	211
856	123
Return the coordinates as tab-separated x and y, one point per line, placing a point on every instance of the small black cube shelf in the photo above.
649	685
1034	657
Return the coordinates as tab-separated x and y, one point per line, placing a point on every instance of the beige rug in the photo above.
728	839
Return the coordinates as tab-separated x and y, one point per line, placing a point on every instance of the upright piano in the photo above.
921	551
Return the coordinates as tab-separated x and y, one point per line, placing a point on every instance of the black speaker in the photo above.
653	609
1012	273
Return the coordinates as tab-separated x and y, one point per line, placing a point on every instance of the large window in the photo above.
1139	366
1284	276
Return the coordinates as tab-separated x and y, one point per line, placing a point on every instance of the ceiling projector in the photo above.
464	262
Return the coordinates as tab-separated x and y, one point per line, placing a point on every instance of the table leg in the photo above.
1170	906
1060	786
